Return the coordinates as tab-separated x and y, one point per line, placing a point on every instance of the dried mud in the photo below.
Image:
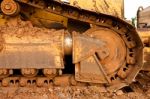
91	92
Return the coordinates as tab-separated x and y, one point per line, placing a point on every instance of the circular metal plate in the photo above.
115	47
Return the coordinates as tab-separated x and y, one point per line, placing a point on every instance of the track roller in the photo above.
29	72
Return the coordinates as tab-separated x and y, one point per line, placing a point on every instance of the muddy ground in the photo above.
91	92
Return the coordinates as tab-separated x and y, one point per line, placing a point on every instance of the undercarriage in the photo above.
51	43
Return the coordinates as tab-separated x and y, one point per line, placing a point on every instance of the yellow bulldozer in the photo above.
67	42
143	28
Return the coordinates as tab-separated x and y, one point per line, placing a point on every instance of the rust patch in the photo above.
30	47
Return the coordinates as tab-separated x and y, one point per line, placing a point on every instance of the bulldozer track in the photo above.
95	19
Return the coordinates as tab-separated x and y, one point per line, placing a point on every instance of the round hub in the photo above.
50	72
114	54
28	72
9	7
4	73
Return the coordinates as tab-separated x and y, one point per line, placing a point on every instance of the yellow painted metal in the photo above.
111	7
41	14
44	18
25	46
145	33
145	37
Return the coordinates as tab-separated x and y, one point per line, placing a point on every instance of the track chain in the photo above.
125	30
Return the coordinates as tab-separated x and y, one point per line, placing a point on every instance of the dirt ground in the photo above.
91	92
